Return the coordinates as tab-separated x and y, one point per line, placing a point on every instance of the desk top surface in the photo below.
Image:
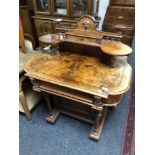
83	73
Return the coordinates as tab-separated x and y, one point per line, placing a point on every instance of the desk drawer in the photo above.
74	25
64	26
63	92
74	95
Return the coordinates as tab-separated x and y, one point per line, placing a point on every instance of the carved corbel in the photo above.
97	103
34	82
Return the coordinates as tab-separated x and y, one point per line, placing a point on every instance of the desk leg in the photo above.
53	113
24	104
48	101
98	126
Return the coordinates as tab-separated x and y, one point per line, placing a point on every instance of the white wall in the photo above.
102	11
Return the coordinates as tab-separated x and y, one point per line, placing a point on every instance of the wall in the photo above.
103	4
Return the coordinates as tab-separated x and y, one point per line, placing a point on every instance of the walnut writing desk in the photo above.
92	77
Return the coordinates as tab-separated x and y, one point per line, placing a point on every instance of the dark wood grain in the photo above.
120	19
26	12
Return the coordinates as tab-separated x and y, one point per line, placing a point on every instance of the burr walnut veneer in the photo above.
86	77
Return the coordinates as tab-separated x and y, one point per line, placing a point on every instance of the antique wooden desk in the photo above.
88	71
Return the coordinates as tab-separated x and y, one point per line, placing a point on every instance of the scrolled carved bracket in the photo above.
34	82
98	104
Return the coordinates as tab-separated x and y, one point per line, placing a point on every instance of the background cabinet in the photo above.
43	27
120	18
122	3
54	16
70	8
26	12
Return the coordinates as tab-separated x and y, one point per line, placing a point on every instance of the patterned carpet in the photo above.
69	136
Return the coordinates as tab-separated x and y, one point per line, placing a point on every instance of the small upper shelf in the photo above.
87	34
115	48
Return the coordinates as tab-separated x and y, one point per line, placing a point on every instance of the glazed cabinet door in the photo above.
42	7
81	7
60	7
43	27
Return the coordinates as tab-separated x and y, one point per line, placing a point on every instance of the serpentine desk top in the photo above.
82	73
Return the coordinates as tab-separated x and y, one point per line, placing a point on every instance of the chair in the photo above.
27	97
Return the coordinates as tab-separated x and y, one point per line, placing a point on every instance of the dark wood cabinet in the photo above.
69	8
120	18
26	12
120	15
43	27
56	16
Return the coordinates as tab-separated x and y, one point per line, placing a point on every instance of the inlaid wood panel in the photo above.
120	15
43	27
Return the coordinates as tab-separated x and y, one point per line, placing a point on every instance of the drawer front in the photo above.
123	32
120	15
62	91
43	27
74	25
64	26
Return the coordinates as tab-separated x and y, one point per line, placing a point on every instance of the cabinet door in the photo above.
43	27
81	7
42	7
60	7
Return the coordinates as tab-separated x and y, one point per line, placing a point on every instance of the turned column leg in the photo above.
53	113
98	126
24	103
97	122
100	117
48	101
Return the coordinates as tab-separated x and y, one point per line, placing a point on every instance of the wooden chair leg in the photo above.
24	105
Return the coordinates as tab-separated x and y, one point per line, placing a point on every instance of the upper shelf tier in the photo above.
115	48
87	34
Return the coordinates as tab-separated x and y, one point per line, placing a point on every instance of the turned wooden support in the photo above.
48	101
24	102
97	122
98	103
